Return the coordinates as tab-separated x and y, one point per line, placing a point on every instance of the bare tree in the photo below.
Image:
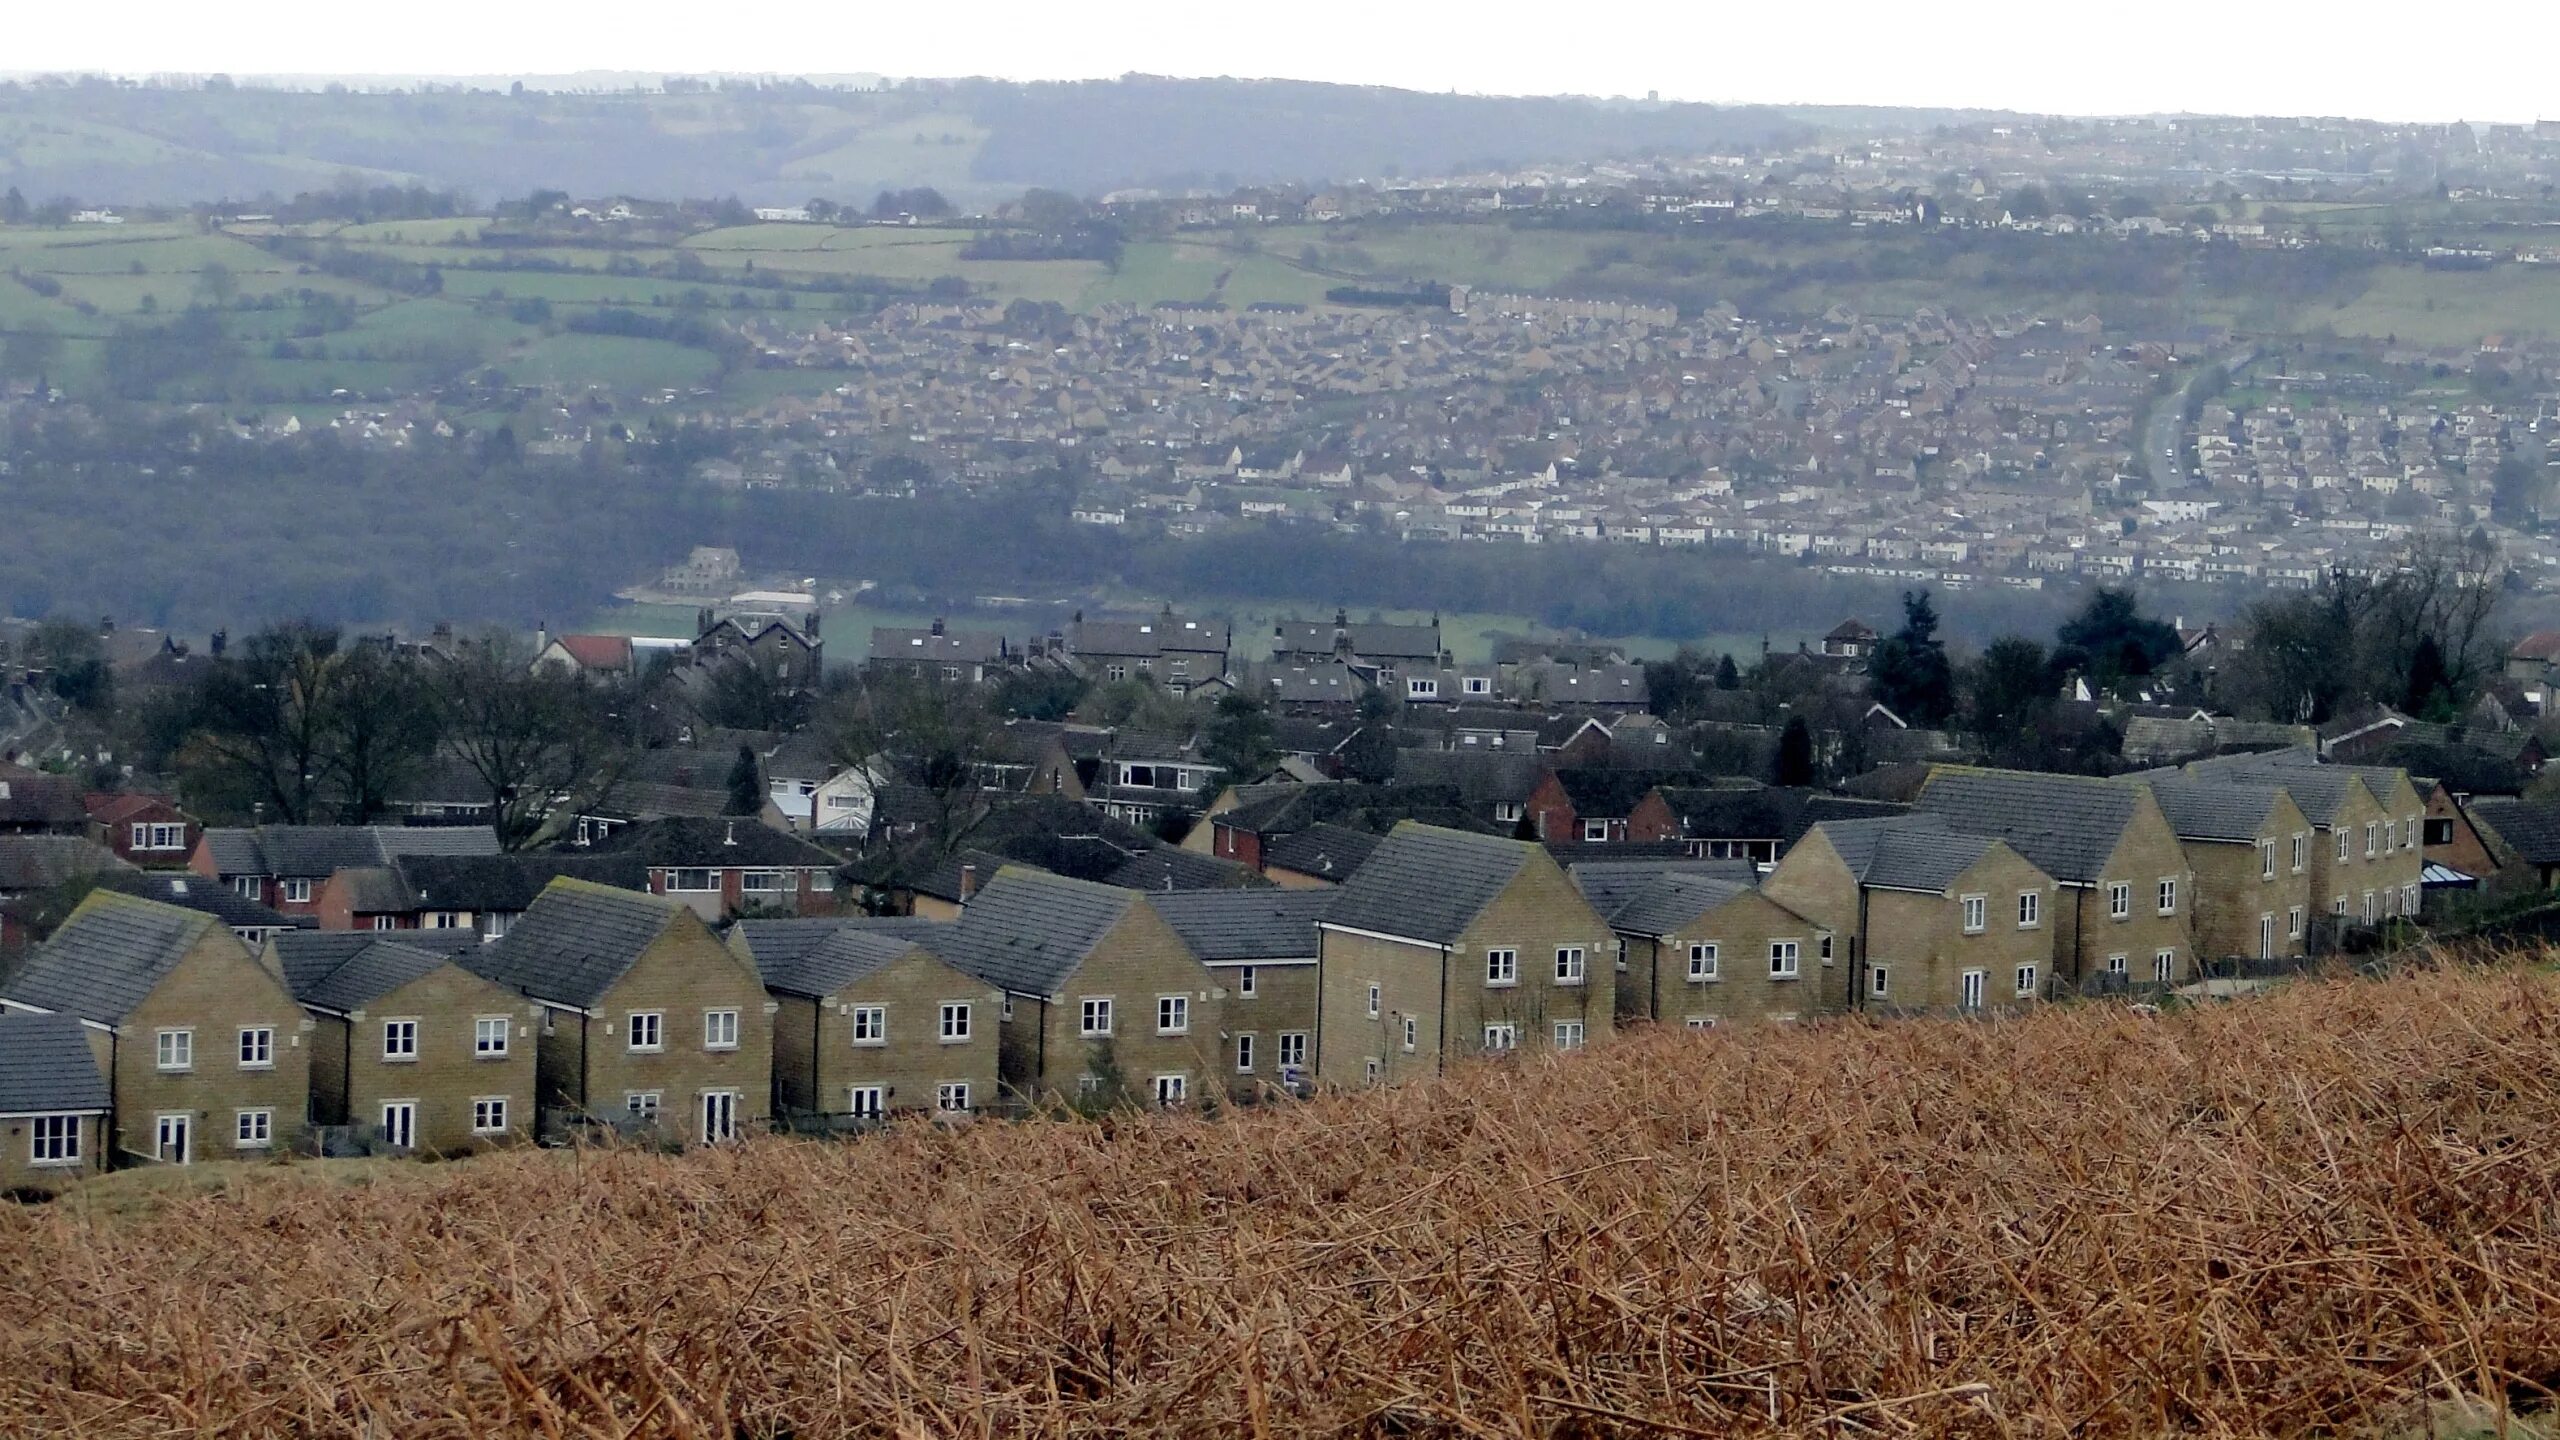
541	741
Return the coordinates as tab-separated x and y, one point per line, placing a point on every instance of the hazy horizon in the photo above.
2174	57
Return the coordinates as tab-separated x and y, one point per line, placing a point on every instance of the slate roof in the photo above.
2319	791
2065	825
837	960
575	942
508	883
1673	901
715	843
109	956
2220	810
771	943
1428	884
307	957
1027	931
1906	852
33	799
1609	884
2530	827
319	851
1170	868
369	974
1601	792
1481	777
194	892
1764	812
40	862
1327	852
1369	640
1230	927
47	1067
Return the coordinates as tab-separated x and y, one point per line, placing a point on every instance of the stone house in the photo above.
1262	945
648	1021
54	1103
410	1046
204	1050
1102	999
1933	918
2249	848
869	1022
1449	945
2368	854
1702	951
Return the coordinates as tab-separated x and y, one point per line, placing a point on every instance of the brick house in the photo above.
649	1022
2453	838
409	1045
33	803
204	1050
476	894
283	866
2125	886
145	830
1933	918
1262	946
869	1022
1448	945
1702	951
1598	806
53	1103
1098	989
722	867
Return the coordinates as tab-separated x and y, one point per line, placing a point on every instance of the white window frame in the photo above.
253	1128
1568	1035
1412	1034
409	1114
482	1035
951	1097
1573	965
1705	958
297	892
955	1023
1292	1054
55	1140
1501	968
2295	922
676	878
488	1114
2266	859
1595	832
716	1114
2119	899
2346	843
257	1047
2164	966
1173	1014
180	1124
1500	1036
174	1050
876	1096
1094	1017
1973	989
2301	852
651	1022
2372	838
2168	895
1245	979
1244	1053
2026	977
1172	1089
714	1022
1376	997
2120	965
1879	983
644	1106
870	1025
1977	914
1786	959
2030	909
400	1040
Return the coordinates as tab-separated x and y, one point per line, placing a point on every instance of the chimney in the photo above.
813	624
968	882
541	636
732	837
937	627
221	642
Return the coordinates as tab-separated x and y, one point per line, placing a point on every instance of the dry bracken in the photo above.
2306	1214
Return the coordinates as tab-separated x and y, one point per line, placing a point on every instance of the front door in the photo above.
173	1139
400	1124
2266	937
1973	985
719	1116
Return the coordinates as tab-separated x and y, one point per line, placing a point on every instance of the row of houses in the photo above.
150	1032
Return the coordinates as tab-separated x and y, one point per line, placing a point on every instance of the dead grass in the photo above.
2329	1211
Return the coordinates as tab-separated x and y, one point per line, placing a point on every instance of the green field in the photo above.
306	332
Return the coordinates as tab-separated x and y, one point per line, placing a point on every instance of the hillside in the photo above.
780	143
2309	1214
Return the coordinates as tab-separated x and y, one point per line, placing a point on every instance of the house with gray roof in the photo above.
410	1051
205	1052
1104	1001
1919	915
2249	848
284	866
1263	947
870	1022
1709	950
649	1022
1448	945
2127	894
54	1103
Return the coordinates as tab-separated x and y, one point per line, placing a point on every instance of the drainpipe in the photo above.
817	1058
1041	1066
1656	1002
347	1070
2079	938
1441	1065
1858	954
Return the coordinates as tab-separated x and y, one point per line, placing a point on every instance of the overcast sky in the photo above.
2488	60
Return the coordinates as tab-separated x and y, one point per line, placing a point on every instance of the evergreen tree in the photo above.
1795	753
746	785
2114	641
1910	670
1239	739
1728	675
2429	694
13	208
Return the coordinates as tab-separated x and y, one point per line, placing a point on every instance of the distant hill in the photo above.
772	142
